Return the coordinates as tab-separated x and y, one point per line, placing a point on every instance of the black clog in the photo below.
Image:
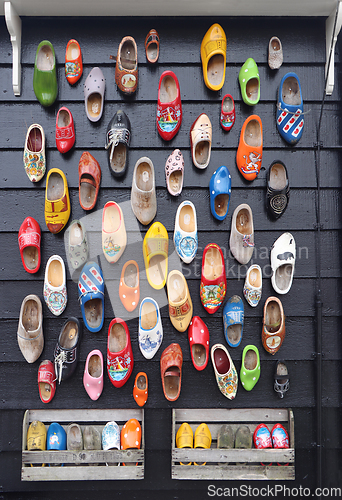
67	349
117	142
278	189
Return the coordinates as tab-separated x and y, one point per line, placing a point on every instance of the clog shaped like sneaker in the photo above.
220	188
253	285
249	80
73	61
93	374
65	130
213	56
57	201
155	252
185	438
150	327
114	236
55	291
34	153
46	381
289	116
201	133
56	438
180	303
29	238
94	90
233	318
91	296
185	232
225	371
283	258
213	279
67	348
198	335
44	75
249	152
169	109
118	138
129	288
119	353
140	389
250	367
111	436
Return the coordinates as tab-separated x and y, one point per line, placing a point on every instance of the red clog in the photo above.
213	280
171	362
119	353
46	381
29	238
227	117
198	335
73	61
89	175
169	110
65	130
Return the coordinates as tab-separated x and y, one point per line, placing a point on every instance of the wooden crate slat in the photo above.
82	457
90	415
233	415
230	472
233	455
80	473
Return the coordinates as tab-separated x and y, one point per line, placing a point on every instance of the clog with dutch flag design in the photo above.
290	119
91	296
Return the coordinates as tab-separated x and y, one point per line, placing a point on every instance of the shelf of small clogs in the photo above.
85	464
233	464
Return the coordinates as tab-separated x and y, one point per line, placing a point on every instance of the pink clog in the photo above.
93	374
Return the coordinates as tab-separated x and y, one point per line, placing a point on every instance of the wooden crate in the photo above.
79	465
235	464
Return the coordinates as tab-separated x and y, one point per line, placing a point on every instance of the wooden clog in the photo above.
94	91
89	178
55	290
120	360
273	331
65	130
114	236
155	252
169	108
249	152
171	362
213	278
140	388
29	238
44	75
213	56
126	69
180	303
225	371
129	288
34	153
73	61
152	46
57	201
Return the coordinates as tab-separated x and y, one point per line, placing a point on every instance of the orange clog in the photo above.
140	389
129	289
249	153
131	436
73	61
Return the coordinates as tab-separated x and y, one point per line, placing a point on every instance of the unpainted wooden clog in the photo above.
29	239
213	56
114	236
73	61
249	152
55	290
57	202
275	53
180	303
120	360
74	437
94	91
34	153
30	328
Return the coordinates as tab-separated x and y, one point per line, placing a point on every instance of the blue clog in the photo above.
220	187
91	296
233	315
56	439
290	118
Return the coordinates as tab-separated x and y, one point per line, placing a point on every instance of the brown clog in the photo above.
171	362
89	175
126	69
152	46
273	331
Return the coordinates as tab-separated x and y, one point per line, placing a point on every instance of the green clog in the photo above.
250	367
250	82
44	75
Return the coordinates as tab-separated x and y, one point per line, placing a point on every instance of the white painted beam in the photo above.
13	23
332	28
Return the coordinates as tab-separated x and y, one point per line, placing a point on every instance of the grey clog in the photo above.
77	245
30	328
94	90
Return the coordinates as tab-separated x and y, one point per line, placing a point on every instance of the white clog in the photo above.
253	285
185	233
241	240
283	258
150	327
55	291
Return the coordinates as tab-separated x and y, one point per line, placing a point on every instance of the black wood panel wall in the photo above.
304	53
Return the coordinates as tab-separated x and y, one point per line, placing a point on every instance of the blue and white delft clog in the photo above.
233	316
91	296
290	119
111	436
185	233
220	188
150	327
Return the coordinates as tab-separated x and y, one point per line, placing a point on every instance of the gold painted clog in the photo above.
57	201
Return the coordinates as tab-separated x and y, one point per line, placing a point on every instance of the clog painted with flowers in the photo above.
225	371
213	57
169	109
29	238
213	279
91	296
120	360
290	116
34	153
180	303
262	437
253	285
220	188
44	75
227	116
150	328
55	291
280	437
111	436
198	335
233	318
65	130
185	232
57	202
73	61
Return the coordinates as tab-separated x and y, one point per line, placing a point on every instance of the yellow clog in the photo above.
57	201
185	438
213	56
155	251
36	438
202	438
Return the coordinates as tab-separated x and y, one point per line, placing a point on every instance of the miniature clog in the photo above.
55	291
171	362
213	57
249	152
126	69
278	189
220	188
227	116
283	258
91	296
73	61
29	239
111	436
119	353
65	130
225	371
180	303
155	252
174	171
213	278
233	318
185	438
114	236
93	374
262	437
36	436
89	178
152	46
200	141
241	241
46	381
77	244
118	138
57	201
94	90
150	327
44	75
250	367
202	438
290	116
56	438
281	379
198	335
129	288
140	389
185	232
74	437
143	193
249	82
275	53
273	330
169	108
30	328
67	348
34	153
253	285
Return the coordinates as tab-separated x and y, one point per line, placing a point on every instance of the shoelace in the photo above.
203	133
60	359
113	139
